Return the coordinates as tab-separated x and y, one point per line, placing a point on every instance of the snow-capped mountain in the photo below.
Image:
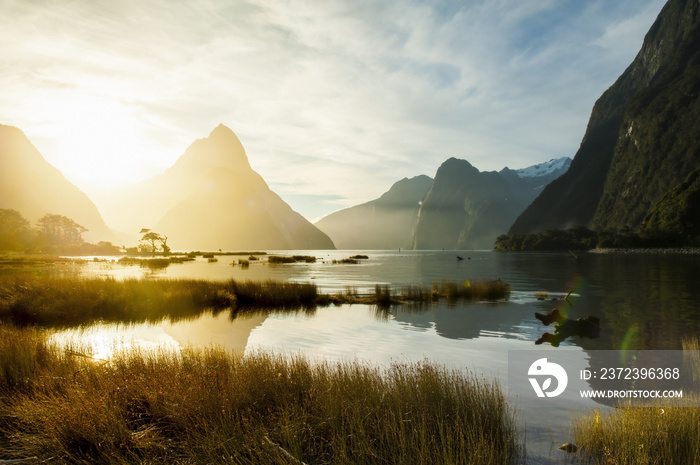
537	176
467	209
544	169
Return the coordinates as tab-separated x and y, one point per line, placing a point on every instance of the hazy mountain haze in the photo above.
352	95
30	185
465	208
384	223
212	199
461	208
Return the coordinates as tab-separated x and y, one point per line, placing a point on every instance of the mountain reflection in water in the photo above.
641	301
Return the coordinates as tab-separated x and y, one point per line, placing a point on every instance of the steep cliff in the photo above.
641	139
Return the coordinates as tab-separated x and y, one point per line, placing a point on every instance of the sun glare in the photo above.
95	141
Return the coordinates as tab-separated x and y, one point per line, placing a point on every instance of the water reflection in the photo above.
565	327
102	340
359	331
464	321
641	302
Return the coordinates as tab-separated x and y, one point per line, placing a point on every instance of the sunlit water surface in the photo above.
643	301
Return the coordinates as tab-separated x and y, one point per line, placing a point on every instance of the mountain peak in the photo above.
221	149
212	199
456	168
224	136
546	168
453	161
222	130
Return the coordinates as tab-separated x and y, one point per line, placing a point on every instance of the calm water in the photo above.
642	301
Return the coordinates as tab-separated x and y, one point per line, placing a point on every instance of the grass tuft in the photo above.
636	435
640	435
211	406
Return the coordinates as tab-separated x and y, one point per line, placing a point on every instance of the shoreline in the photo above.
648	251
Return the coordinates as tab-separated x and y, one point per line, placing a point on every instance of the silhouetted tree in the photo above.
108	248
164	245
151	239
58	230
15	231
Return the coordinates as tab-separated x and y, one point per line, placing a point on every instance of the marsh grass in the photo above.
345	261
476	290
70	301
640	435
382	296
154	263
637	435
273	294
211	406
12	261
281	259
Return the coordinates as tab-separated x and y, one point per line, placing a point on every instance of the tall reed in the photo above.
637	435
210	406
69	301
61	301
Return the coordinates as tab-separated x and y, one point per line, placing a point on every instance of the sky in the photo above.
333	100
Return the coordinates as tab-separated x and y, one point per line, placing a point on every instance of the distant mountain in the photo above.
212	199
462	208
538	176
383	223
468	209
641	142
32	186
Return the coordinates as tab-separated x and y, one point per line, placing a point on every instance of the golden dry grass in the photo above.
210	406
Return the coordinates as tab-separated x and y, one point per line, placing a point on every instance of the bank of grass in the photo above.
154	263
27	299
643	434
68	301
640	435
281	259
12	261
468	290
211	406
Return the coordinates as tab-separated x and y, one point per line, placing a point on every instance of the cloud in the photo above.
334	100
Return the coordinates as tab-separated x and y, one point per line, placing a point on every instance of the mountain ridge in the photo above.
621	169
211	198
453	206
34	187
382	223
464	208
